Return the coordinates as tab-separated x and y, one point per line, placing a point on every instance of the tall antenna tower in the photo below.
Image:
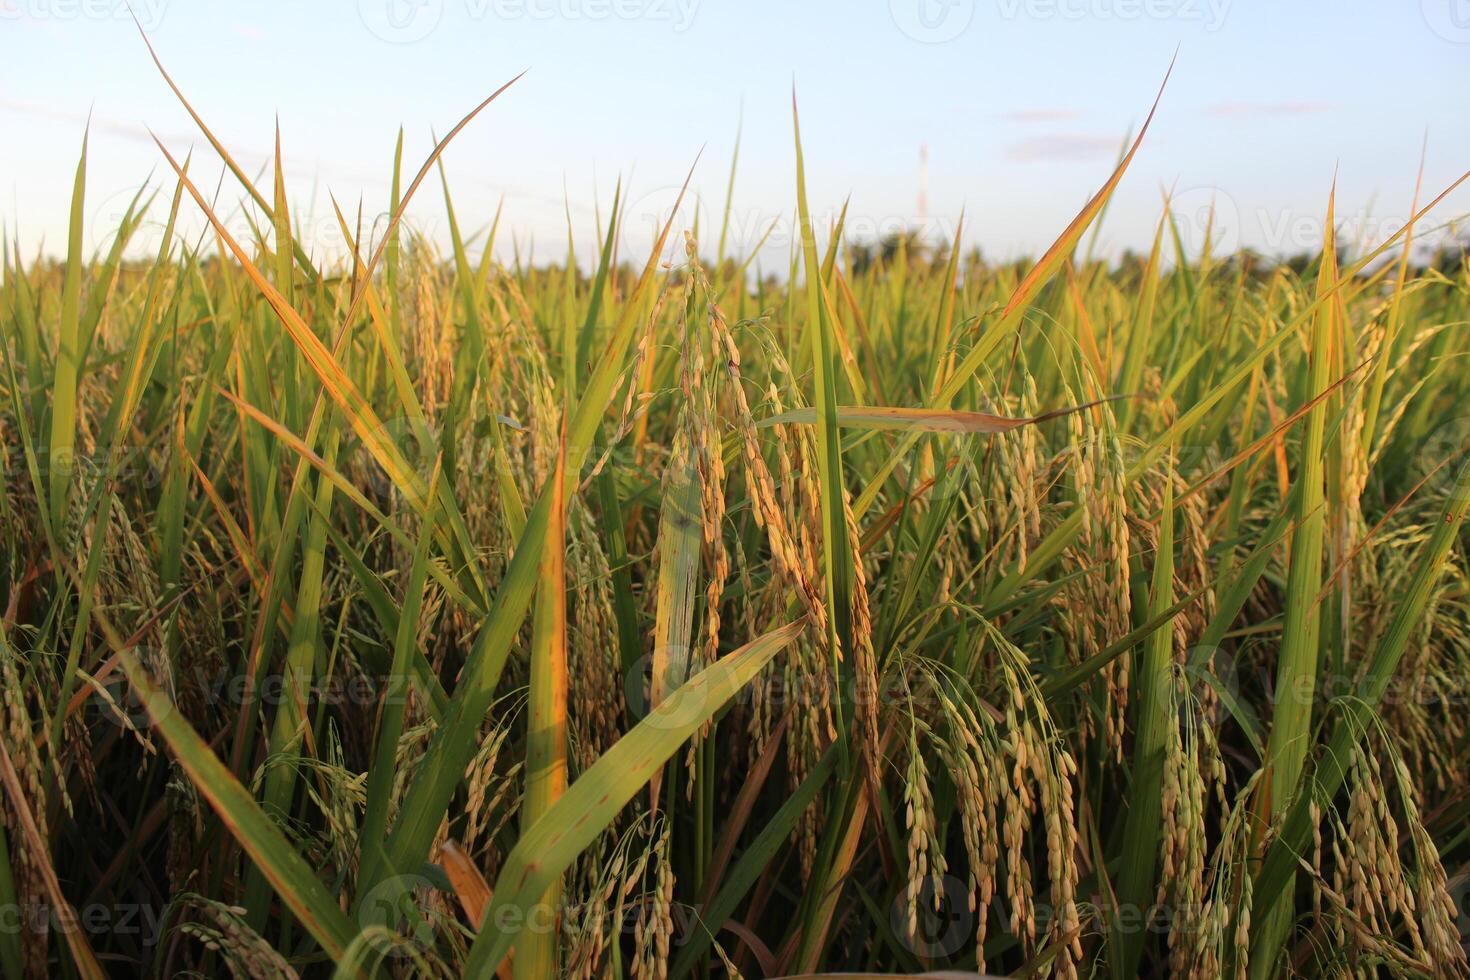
923	186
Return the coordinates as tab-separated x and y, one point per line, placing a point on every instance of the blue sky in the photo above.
1021	103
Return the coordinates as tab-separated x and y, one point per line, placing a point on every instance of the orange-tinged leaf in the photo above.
70	926
470	886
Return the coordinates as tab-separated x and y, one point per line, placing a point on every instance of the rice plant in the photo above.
415	614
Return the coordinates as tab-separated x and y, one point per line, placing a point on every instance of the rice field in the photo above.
416	614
